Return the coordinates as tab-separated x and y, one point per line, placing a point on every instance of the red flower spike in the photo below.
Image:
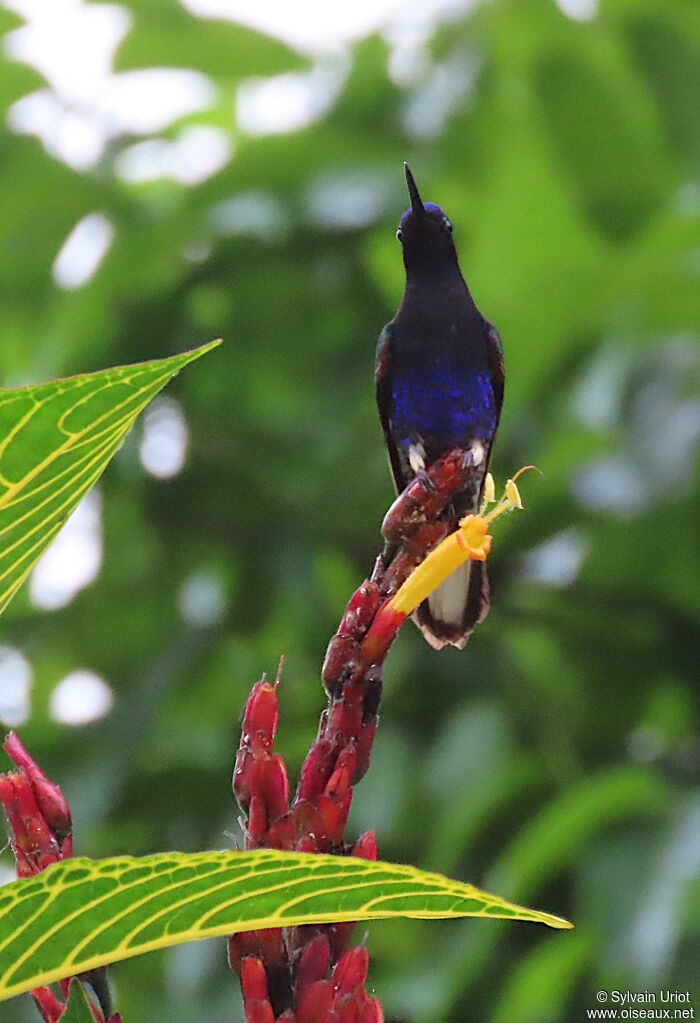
366	846
40	822
317	1003
313	964
275	787
50	800
350	970
339	757
360	611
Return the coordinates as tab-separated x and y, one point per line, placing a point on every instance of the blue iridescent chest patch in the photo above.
448	406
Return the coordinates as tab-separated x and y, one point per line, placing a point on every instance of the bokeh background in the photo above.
169	175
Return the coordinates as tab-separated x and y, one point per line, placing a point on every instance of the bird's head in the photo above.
425	232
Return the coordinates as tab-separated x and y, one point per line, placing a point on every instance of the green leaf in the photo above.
56	440
77	1007
80	914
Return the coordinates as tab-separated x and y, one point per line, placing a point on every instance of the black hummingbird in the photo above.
440	376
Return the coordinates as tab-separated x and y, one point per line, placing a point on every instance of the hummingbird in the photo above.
439	376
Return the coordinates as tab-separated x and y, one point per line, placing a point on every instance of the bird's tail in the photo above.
451	612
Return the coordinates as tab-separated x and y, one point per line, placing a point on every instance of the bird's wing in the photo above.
495	355
384	400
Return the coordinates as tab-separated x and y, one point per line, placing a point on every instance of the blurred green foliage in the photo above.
555	760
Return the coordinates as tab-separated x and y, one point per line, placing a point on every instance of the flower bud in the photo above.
366	846
343	661
372	1012
33	842
275	787
363	748
425	496
317	1003
50	800
312	966
350	970
360	611
316	771
382	633
265	944
257	822
261	716
253	979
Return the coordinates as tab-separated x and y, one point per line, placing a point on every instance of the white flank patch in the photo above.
416	456
447	602
477	450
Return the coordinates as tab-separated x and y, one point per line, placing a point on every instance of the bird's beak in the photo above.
416	201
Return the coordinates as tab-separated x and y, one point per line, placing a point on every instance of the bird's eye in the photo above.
448	225
399	234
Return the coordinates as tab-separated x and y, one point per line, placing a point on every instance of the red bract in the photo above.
313	964
37	811
426	496
317	1004
52	1009
33	842
50	800
350	970
40	834
366	846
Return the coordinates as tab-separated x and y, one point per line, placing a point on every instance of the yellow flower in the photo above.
470	540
